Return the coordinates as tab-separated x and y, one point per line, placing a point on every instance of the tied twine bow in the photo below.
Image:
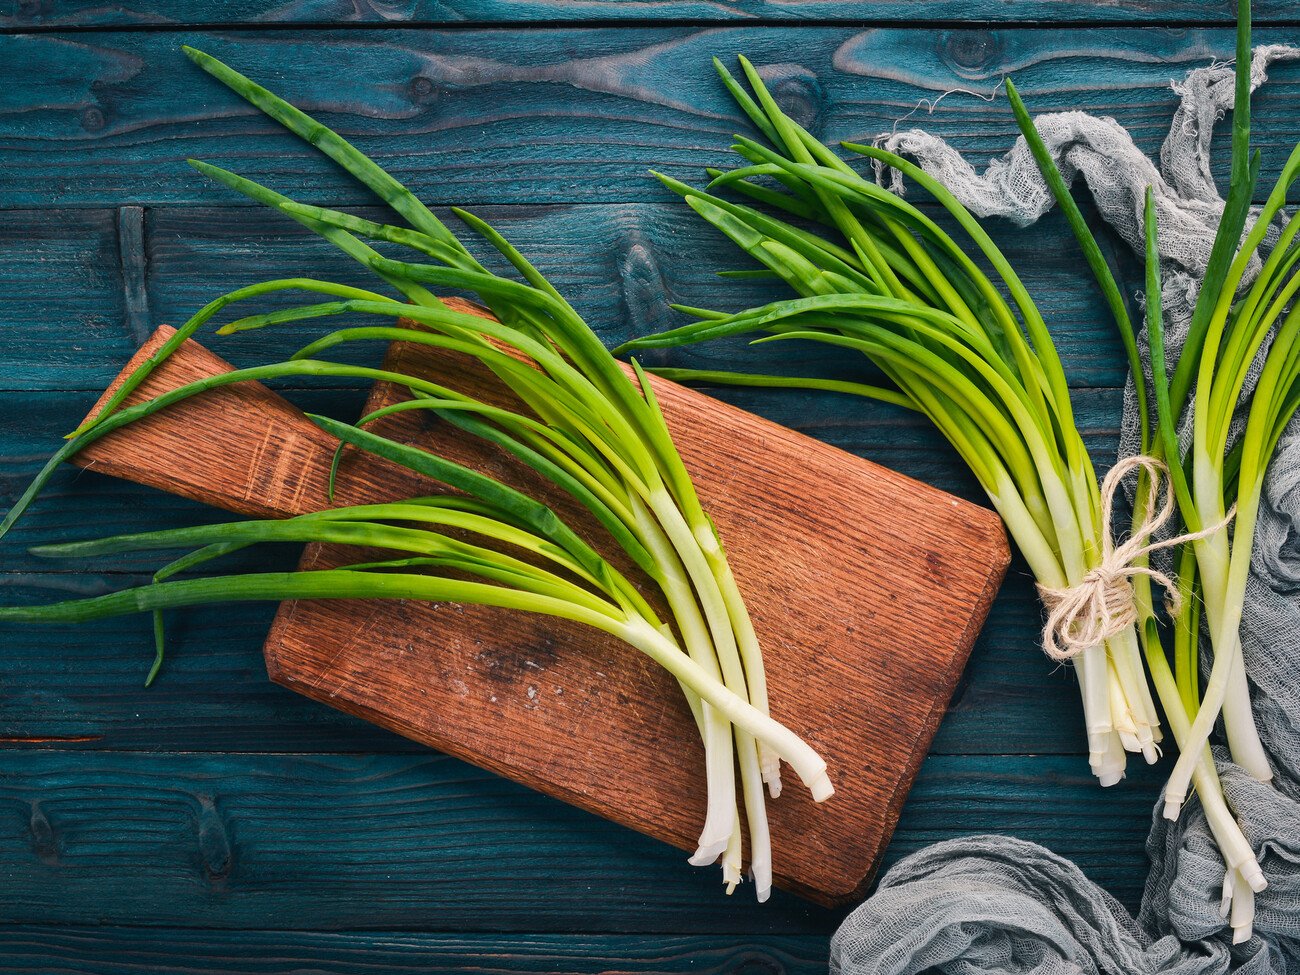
1101	604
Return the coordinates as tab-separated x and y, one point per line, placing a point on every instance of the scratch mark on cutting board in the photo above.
252	483
361	630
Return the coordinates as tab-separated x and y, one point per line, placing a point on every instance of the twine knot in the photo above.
1101	604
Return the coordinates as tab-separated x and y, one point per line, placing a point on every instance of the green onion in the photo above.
1225	338
886	280
577	419
1179	691
1229	334
1218	330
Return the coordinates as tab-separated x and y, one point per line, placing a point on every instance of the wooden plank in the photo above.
74	687
31	425
126	951
632	262
427	843
624	265
89	13
64	318
518	118
214	695
64	686
529	696
82	687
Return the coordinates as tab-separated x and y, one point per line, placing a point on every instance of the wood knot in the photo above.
423	90
92	119
800	97
643	287
969	50
754	963
45	844
214	842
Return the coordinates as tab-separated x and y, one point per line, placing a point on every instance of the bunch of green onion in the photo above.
881	277
582	423
1218	482
889	282
1234	332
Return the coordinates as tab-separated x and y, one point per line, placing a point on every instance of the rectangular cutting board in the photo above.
867	590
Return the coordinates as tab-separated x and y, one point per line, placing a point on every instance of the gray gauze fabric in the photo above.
998	904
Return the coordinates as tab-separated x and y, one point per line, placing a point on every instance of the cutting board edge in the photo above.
150	345
587	803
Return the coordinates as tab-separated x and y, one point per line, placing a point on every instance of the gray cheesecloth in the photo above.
998	904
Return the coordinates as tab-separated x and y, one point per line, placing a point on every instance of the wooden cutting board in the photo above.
867	590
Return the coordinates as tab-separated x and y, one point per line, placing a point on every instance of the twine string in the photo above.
1101	604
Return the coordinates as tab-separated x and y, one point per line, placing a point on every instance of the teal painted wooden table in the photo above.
219	823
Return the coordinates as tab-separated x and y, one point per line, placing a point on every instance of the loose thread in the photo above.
1101	604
